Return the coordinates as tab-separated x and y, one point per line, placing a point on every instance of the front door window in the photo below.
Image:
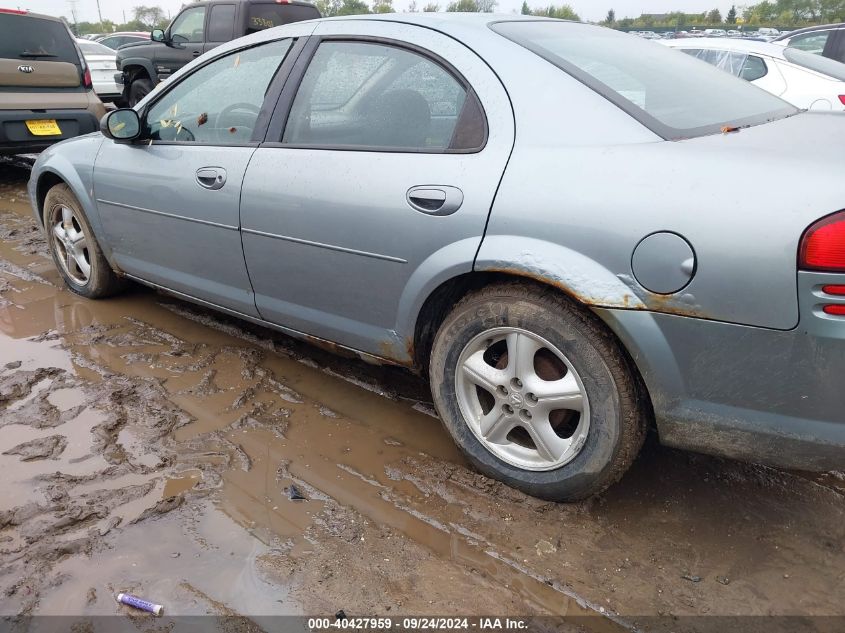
218	103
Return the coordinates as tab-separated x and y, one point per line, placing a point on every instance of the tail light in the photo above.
14	11
823	245
86	78
836	310
842	99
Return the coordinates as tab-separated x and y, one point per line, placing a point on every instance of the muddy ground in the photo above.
152	446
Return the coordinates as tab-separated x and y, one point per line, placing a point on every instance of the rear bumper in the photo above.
766	396
15	138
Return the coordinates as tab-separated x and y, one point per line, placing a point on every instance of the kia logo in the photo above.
25	69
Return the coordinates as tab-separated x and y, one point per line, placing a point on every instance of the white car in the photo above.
801	78
101	63
715	33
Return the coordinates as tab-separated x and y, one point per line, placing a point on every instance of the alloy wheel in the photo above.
70	244
522	398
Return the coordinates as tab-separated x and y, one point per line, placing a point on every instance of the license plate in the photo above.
44	127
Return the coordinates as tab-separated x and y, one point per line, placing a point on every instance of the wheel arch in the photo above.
134	65
46	181
442	297
57	169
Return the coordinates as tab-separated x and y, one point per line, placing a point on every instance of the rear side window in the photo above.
94	48
754	68
670	93
728	61
376	96
266	16
810	42
33	39
221	25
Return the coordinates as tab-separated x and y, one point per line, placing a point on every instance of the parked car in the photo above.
100	60
200	27
359	183
715	33
45	83
827	40
734	33
121	38
805	80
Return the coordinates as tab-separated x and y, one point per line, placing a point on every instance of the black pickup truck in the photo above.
198	28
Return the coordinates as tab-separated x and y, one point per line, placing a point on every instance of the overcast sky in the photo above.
594	10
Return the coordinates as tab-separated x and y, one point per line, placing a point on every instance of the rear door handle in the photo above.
211	177
196	53
435	199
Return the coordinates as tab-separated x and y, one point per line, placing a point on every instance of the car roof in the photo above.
453	24
29	14
428	18
727	44
811	29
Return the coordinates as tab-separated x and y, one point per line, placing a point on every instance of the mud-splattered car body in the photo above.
570	189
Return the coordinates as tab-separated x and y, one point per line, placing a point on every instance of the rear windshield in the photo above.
27	38
674	95
93	48
266	16
823	65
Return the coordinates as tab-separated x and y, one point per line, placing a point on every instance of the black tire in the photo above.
102	281
618	413
138	89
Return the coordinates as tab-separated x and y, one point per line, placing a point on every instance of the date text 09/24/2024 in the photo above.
418	624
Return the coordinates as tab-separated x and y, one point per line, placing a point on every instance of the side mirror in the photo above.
122	125
157	35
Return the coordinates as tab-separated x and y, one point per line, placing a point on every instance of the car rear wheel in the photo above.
139	89
536	392
74	248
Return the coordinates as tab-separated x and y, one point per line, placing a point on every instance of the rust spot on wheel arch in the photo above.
667	304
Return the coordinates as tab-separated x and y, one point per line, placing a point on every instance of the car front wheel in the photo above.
536	392
74	248
139	89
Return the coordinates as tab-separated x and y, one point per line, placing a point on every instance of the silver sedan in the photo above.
573	233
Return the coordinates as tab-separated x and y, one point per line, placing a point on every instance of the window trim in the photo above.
271	97
294	81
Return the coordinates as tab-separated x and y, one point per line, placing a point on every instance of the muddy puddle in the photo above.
151	446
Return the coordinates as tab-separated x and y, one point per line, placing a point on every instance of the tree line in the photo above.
783	13
144	18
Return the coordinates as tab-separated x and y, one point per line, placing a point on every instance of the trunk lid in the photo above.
38	74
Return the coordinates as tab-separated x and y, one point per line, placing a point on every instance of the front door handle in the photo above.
435	199
196	53
211	177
